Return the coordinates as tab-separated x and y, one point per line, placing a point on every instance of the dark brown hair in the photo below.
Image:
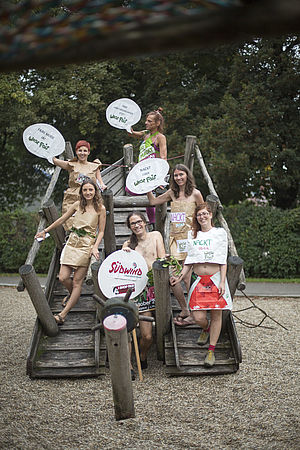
133	242
97	199
195	224
190	181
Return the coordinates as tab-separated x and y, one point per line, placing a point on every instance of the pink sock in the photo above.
207	329
212	348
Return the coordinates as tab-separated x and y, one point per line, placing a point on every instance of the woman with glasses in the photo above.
79	169
86	234
184	197
207	262
150	245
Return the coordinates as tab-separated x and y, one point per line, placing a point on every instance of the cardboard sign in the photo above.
120	271
123	113
147	175
43	140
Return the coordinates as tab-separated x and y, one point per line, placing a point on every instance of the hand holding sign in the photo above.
147	175
121	271
123	113
43	140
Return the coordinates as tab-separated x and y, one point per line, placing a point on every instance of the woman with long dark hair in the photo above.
184	197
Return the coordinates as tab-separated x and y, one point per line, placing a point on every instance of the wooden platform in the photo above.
76	351
191	355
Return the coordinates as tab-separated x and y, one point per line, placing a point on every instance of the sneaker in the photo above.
203	338
210	359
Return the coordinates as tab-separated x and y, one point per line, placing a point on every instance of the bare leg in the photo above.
200	319
179	294
215	326
78	279
146	336
65	277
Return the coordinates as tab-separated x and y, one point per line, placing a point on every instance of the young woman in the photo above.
86	234
154	144
150	245
207	258
79	168
184	197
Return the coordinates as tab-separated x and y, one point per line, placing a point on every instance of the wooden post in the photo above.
51	214
38	299
162	305
190	142
234	268
109	232
115	327
128	160
214	203
160	218
129	202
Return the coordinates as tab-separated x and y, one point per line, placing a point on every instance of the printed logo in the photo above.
122	289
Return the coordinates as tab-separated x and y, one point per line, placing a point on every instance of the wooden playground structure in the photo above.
78	347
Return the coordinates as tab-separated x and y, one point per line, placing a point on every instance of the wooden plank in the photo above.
79	339
201	370
66	359
195	357
79	372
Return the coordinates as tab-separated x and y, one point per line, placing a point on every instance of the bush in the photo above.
267	238
17	230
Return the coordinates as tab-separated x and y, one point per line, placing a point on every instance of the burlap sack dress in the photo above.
76	176
77	251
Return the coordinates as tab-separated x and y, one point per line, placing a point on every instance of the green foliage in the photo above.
267	238
17	230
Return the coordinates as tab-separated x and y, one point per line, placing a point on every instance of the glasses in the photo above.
138	222
203	214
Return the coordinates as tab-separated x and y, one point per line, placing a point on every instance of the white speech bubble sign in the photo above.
43	140
122	270
147	175
123	113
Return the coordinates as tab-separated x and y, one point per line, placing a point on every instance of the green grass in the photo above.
273	280
17	274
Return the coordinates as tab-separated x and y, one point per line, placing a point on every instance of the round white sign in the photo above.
147	175
43	140
120	271
123	113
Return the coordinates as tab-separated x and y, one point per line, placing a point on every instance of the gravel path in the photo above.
256	408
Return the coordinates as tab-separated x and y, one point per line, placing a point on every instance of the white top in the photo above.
209	246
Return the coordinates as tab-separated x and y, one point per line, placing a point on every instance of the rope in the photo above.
252	325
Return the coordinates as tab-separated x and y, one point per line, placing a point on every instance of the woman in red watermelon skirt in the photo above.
207	259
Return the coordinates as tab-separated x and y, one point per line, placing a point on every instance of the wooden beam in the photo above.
162	305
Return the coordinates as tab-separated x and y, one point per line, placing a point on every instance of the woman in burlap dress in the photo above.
85	237
79	169
184	197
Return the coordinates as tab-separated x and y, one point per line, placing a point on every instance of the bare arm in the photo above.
162	143
137	134
99	178
198	197
101	228
160	247
61	163
223	269
186	269
165	197
59	221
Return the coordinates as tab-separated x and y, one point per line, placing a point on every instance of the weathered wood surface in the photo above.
162	305
189	357
190	142
109	232
118	354
51	214
76	351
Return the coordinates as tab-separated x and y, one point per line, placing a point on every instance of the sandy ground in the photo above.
256	408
